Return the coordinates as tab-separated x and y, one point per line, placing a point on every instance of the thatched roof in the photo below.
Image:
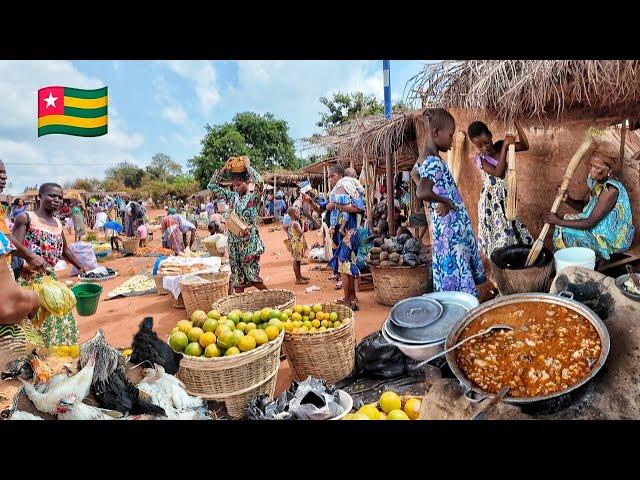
287	177
533	91
370	137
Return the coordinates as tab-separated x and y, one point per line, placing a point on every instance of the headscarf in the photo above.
171	211
607	153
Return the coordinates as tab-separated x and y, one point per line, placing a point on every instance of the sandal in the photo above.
302	281
338	286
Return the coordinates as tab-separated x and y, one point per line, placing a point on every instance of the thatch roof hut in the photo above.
536	92
291	178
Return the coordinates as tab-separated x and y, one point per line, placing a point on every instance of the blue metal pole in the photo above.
386	68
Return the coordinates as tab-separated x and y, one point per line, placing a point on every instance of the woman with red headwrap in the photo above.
605	224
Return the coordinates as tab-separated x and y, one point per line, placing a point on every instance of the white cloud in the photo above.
57	157
175	114
202	75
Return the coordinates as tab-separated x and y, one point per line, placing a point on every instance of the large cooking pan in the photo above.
565	299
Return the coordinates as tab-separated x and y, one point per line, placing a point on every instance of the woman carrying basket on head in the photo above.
245	247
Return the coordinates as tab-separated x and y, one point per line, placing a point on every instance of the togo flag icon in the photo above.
72	111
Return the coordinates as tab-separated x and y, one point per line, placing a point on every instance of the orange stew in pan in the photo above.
550	348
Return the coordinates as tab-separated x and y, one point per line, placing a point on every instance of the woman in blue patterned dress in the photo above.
456	261
345	237
605	224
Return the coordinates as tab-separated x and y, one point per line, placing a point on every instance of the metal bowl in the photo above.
476	394
620	284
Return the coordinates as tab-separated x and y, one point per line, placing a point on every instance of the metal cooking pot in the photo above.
474	394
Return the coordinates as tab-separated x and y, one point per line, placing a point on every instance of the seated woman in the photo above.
605	224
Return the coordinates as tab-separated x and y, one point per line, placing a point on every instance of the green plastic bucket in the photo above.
87	297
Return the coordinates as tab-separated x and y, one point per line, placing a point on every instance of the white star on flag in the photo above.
51	101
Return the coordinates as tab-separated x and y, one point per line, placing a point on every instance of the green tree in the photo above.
263	138
347	106
267	140
87	184
127	173
219	143
163	168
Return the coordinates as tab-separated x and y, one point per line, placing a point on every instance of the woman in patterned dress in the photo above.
494	230
41	232
456	261
244	250
605	224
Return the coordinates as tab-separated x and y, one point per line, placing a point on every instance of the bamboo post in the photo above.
390	191
512	186
573	164
623	135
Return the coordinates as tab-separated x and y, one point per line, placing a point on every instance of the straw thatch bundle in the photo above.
533	91
287	177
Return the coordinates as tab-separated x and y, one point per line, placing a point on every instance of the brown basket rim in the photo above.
235	360
398	267
236	296
217	282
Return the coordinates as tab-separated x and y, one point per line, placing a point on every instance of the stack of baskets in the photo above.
130	245
234	380
329	355
200	297
251	301
393	284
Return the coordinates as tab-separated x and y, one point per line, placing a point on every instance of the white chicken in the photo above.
20	415
168	392
79	385
69	408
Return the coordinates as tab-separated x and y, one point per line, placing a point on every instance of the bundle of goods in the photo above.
399	251
320	340
138	285
99	274
85	254
390	406
401	268
153	251
216	244
200	291
309	400
229	358
187	253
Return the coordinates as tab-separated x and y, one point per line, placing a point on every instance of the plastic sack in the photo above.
377	358
83	251
313	400
309	400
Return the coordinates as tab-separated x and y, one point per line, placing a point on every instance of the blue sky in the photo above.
162	106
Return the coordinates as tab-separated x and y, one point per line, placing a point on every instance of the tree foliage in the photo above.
263	138
127	173
163	168
347	106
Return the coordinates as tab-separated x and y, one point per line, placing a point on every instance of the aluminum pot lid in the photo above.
435	332
416	312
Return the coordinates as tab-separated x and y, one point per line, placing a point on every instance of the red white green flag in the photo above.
72	111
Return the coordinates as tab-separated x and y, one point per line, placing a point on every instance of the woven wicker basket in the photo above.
159	288
251	301
130	245
330	355
201	297
392	284
179	303
236	379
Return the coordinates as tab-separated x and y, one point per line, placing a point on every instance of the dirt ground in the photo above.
119	318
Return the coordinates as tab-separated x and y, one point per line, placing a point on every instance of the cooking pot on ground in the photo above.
565	299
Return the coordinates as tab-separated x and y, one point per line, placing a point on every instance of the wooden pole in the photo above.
512	192
369	193
623	135
389	184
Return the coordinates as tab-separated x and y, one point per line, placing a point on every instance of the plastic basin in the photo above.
575	257
87	298
346	402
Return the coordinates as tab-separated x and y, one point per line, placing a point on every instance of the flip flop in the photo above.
302	282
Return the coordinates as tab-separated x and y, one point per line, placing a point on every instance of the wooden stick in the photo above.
512	186
573	164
